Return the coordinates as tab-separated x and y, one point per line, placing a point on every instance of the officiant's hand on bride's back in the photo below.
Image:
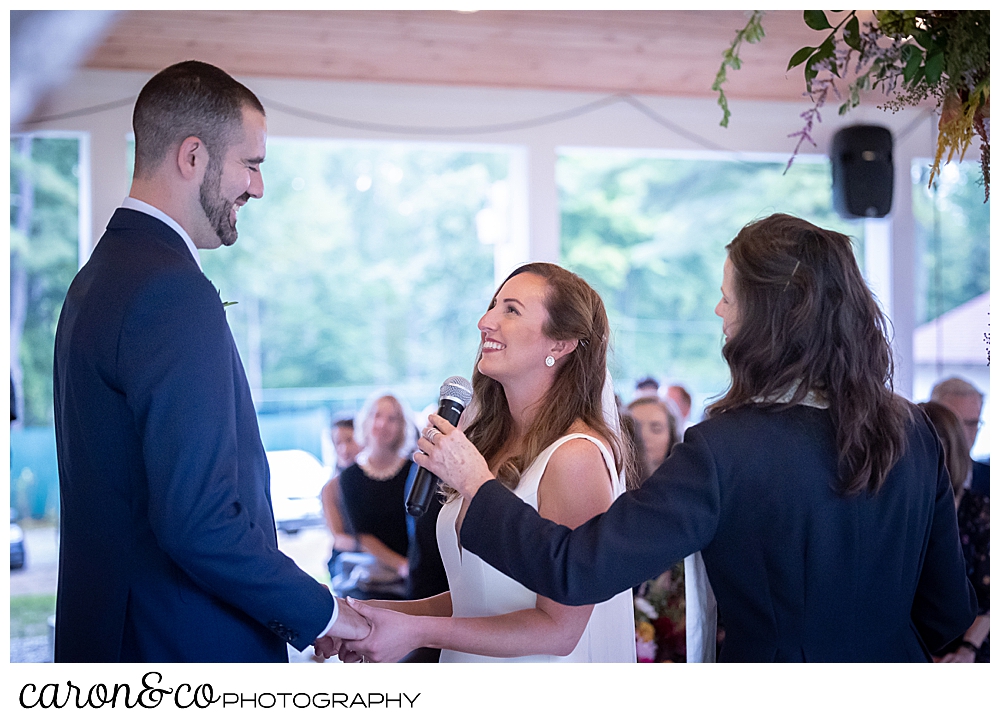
449	454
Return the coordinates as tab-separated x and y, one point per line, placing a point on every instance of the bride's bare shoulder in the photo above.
581	427
576	484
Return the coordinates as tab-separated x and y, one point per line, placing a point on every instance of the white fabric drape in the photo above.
700	611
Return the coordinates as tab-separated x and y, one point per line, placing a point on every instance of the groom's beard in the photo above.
217	209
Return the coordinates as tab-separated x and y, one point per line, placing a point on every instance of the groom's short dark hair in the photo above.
188	99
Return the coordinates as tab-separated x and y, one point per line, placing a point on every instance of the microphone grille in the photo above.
457	388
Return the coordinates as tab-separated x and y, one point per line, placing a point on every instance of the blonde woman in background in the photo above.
373	490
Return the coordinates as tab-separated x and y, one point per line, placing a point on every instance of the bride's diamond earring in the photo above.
550	360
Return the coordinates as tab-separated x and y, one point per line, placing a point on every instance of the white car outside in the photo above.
297	478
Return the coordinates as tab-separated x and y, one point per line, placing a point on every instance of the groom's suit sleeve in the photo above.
181	376
644	532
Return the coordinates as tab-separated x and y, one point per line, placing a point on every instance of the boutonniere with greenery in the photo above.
225	303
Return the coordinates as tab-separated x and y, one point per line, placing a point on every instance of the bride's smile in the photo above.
513	340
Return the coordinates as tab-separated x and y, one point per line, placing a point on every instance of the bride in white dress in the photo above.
546	422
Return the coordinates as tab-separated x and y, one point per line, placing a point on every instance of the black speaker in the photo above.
862	171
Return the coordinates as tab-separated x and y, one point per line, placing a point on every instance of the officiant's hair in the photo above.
188	99
809	322
575	311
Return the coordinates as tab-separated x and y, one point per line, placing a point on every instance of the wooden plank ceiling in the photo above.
655	52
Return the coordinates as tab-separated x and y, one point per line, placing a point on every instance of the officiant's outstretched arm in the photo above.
168	549
819	499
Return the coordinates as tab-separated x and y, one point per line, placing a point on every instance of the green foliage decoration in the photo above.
751	33
910	56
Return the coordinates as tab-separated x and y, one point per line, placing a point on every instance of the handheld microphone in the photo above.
456	393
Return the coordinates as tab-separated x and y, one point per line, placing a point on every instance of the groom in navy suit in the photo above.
168	551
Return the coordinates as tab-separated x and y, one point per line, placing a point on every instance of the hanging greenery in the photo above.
752	33
909	55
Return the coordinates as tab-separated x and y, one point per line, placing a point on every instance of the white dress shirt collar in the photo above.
135	204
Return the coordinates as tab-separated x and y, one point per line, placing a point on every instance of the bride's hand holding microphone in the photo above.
448	453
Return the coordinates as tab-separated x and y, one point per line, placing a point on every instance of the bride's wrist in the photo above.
419	632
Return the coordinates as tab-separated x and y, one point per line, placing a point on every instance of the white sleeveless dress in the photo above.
479	590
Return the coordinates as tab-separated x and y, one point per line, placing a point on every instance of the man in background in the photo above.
346	449
966	402
646	387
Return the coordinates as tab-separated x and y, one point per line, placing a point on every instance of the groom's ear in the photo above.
192	159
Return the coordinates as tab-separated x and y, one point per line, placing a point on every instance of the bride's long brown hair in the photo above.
575	311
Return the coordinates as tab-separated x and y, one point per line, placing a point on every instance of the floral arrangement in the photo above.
659	618
910	55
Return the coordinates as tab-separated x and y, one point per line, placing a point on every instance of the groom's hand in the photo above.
326	647
350	624
393	635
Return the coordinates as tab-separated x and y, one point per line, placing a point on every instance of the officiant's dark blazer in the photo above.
981	477
168	550
800	572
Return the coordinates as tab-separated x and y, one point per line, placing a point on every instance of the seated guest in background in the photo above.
345	442
657	427
682	399
424	575
818	498
973	529
631	437
967	403
346	449
373	490
647	387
